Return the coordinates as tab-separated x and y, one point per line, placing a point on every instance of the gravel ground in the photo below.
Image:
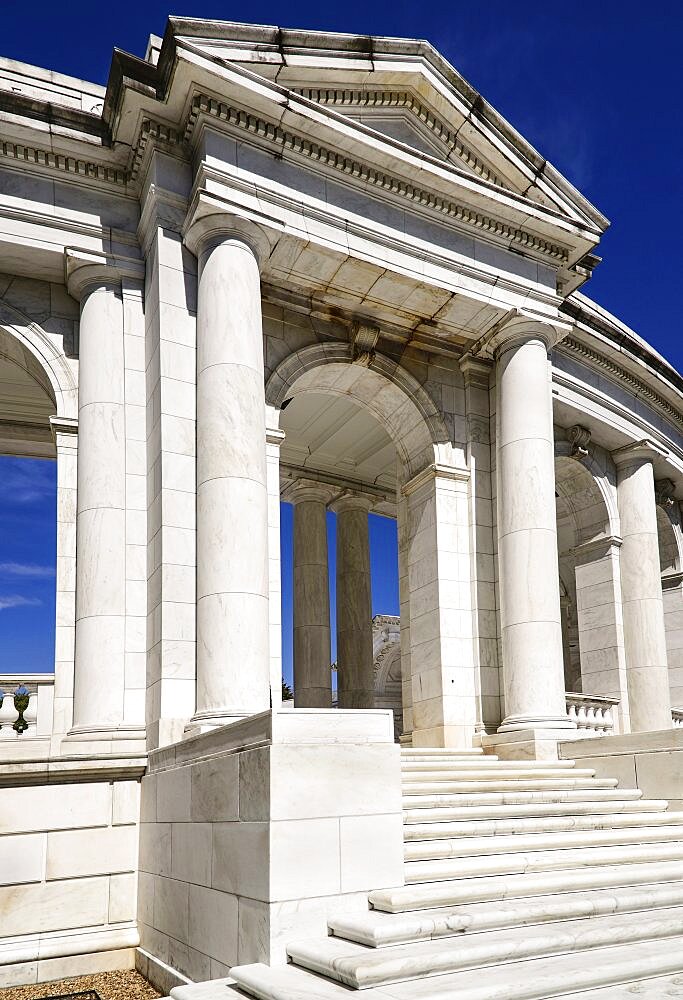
125	985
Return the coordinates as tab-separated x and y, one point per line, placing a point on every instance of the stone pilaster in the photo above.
600	622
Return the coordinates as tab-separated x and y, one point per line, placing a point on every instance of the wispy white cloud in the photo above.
26	569
17	601
26	481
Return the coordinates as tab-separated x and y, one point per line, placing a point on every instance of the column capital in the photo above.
85	270
275	436
63	427
596	548
523	328
352	501
639	451
435	471
306	490
210	223
476	371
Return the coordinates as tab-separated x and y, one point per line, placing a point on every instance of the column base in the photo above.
528	744
528	723
204	722
105	740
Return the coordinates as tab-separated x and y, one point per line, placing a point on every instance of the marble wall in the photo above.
68	874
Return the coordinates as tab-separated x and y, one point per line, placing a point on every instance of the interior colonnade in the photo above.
312	657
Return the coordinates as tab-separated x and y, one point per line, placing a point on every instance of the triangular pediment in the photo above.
401	88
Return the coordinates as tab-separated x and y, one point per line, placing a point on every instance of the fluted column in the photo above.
355	680
527	535
99	665
312	674
641	590
232	494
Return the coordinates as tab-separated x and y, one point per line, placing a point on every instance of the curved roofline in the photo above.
583	310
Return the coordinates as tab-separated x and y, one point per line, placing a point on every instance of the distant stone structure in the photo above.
264	265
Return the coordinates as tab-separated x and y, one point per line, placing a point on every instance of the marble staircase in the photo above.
523	881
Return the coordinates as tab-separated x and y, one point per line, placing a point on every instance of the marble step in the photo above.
521	798
377	929
360	967
532	768
491	828
540	861
451	774
447	813
417	753
422	787
661	988
454	892
463	847
536	979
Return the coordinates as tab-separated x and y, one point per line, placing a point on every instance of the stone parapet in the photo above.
252	833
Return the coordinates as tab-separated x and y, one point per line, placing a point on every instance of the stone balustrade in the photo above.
677	718
26	709
594	715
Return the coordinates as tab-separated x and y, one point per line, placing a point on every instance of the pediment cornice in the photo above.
270	133
392	100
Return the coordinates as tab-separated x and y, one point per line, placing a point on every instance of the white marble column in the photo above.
312	673
99	668
232	495
641	590
527	535
355	680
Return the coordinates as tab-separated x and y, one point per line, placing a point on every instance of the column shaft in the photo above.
99	669
355	677
312	674
641	592
232	495
527	539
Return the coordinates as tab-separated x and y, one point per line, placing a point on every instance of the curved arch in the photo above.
28	345
393	396
583	488
670	538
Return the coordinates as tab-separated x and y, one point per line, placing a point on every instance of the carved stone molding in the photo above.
272	134
665	492
364	339
402	99
88	169
572	346
154	131
579	438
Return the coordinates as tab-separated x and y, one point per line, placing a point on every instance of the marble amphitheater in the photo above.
266	265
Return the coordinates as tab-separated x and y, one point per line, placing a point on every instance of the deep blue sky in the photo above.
596	87
27	564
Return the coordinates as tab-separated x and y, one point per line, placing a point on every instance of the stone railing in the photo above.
593	714
677	718
26	710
